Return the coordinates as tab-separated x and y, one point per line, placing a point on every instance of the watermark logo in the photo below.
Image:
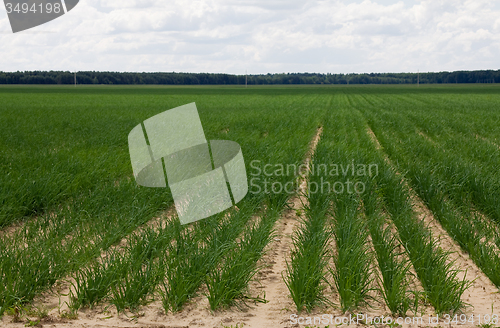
323	178
205	177
26	14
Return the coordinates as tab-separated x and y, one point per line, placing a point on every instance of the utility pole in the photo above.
246	79
418	78
75	79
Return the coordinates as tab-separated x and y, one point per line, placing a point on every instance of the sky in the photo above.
260	36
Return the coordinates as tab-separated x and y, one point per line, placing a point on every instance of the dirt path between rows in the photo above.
277	312
482	296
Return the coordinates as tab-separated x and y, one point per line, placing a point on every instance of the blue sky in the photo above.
260	36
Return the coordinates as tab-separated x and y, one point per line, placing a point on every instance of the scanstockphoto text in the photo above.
323	178
366	319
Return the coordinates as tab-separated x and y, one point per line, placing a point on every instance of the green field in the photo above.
68	196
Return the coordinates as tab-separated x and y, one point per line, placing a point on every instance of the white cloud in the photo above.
261	36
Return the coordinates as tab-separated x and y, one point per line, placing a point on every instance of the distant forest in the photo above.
59	77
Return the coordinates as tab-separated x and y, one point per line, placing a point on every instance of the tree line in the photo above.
92	77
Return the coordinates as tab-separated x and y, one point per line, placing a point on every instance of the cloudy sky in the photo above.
261	36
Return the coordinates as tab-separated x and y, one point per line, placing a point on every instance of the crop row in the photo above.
358	216
460	189
67	235
435	271
68	188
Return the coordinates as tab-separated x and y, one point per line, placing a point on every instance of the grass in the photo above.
392	261
68	176
189	262
437	274
67	185
307	268
227	284
394	268
458	184
352	269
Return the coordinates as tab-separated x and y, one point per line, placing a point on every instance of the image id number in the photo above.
41	8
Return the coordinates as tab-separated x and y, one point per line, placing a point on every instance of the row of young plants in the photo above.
474	165
395	277
355	218
308	266
442	287
359	220
443	178
227	283
175	260
437	274
331	219
173	256
353	268
62	240
31	263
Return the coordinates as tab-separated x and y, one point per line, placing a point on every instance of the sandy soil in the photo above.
482	295
11	230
